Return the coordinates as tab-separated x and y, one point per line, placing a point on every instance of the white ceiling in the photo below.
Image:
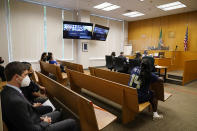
147	7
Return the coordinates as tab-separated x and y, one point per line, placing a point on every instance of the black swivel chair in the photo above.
120	65
109	62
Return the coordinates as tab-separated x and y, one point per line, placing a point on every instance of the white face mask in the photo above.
25	82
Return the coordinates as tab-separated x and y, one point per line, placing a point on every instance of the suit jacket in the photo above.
18	113
123	58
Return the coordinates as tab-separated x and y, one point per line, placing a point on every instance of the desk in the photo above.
159	70
163	61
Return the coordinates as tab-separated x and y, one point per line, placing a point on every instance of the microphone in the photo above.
176	47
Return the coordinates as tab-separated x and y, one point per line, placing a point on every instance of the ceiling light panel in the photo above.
103	5
113	7
106	6
133	14
171	6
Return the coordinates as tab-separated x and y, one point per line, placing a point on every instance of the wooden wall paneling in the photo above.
190	73
173	23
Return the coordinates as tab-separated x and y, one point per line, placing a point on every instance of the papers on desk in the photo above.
48	103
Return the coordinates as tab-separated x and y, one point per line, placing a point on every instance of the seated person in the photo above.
145	53
52	61
113	54
138	58
125	64
123	57
141	78
49	55
43	57
18	114
152	62
32	94
2	76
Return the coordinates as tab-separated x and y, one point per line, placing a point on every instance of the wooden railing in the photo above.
190	71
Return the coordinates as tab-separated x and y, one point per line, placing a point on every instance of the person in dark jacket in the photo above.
43	57
123	57
18	114
35	93
141	78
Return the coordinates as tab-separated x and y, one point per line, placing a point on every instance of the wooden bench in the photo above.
92	117
118	93
122	78
72	66
47	69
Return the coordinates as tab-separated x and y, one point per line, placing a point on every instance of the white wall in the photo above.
30	35
3	32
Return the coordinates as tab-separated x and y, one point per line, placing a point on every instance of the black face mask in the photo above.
2	61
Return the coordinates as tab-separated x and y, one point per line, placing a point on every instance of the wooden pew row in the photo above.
189	73
72	66
118	93
47	69
92	117
122	78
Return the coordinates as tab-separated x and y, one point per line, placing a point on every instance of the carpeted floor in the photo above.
180	112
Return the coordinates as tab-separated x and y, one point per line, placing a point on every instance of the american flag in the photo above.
186	40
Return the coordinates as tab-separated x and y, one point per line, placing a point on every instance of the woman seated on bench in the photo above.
43	57
141	78
52	61
35	93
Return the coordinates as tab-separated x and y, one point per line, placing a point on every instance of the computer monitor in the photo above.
161	54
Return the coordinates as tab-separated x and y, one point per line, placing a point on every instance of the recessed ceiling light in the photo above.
141	0
113	7
133	14
106	6
171	6
103	5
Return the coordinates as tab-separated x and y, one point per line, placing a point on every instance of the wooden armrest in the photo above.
144	105
103	117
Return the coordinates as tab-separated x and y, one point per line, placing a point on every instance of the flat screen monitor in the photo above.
161	54
100	32
77	30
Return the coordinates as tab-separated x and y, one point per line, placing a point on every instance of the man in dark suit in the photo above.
18	113
123	57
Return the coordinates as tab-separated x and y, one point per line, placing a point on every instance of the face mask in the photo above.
25	82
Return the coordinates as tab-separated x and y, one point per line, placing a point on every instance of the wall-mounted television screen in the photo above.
100	32
77	30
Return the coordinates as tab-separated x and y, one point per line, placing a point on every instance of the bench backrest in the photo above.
109	75
113	91
47	68
72	66
122	78
79	105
